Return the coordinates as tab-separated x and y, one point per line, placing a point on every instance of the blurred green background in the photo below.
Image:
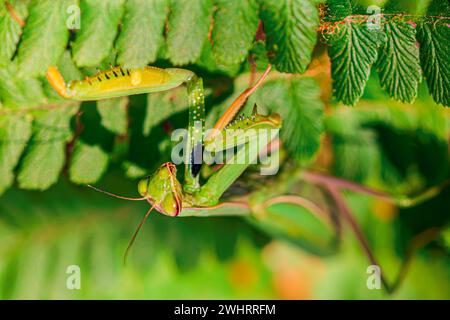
41	234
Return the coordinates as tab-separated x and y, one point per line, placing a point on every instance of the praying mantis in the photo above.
162	190
167	195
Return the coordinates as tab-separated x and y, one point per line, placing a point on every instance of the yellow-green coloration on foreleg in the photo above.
118	82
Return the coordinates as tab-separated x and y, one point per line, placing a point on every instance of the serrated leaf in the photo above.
291	30
10	30
45	36
161	106
434	38
235	24
114	114
88	163
298	102
10	94
99	26
189	23
15	130
142	32
353	49
45	155
399	62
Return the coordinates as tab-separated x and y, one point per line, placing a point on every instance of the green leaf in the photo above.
298	102
353	49
10	93
142	32
235	24
99	26
189	24
114	114
45	156
399	62
291	30
18	91
10	30
15	131
45	36
88	163
67	67
434	38
32	90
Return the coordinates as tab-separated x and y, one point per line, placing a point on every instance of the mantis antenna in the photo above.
115	195
130	244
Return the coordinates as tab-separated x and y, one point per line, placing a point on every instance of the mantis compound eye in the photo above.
143	187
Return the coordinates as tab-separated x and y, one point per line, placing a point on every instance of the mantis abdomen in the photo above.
118	82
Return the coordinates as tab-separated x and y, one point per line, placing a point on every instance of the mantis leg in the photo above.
193	154
118	82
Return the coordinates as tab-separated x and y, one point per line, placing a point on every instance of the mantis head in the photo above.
163	190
